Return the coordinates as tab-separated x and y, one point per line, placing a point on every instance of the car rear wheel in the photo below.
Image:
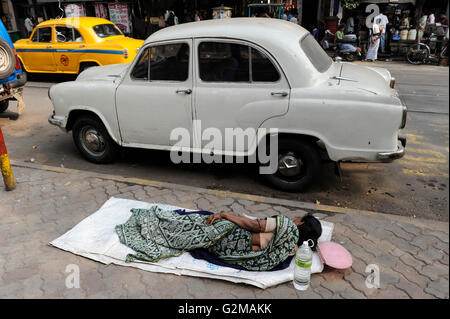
7	59
93	140
4	105
299	164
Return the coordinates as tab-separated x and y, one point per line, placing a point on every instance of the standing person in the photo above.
444	21
372	53
431	18
197	16
350	26
29	26
162	22
383	21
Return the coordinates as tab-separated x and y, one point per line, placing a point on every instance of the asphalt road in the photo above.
416	185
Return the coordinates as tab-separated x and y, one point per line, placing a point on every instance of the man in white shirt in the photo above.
382	20
28	26
431	18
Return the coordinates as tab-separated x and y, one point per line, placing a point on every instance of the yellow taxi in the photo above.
71	45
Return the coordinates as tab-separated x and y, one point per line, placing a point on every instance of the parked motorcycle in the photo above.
334	49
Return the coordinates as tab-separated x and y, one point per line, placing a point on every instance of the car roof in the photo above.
83	21
242	28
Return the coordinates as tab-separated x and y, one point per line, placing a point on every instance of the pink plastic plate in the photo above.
335	255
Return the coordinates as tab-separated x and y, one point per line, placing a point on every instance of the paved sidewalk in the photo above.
412	254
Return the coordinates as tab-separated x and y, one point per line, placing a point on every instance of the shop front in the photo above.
404	26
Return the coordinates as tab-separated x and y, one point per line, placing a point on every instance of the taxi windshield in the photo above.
107	30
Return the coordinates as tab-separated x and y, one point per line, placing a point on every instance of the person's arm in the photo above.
252	225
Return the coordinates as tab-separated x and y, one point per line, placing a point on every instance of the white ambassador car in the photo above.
236	73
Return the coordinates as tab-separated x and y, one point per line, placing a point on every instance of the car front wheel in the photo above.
93	140
299	164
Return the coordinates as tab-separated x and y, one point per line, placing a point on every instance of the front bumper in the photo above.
387	157
57	122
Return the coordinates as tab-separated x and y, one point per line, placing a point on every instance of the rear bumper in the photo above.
391	156
19	82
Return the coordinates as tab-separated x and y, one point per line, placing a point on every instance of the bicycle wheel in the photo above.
417	53
444	52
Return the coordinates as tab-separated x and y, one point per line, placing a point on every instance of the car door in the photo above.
238	86
38	56
67	48
155	96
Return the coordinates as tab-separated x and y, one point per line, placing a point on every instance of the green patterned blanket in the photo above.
156	233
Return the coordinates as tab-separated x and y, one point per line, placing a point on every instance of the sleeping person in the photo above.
252	244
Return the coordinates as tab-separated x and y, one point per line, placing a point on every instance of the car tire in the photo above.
85	66
93	140
7	59
305	161
4	105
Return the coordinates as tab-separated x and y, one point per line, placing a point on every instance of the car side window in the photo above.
141	69
169	62
43	35
68	34
263	69
223	62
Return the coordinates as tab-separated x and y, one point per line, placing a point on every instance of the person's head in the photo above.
443	15
308	227
341	27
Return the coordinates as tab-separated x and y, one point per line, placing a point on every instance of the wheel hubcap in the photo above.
289	165
93	140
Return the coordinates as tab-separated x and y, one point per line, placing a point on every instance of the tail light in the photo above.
17	61
392	83
125	53
404	116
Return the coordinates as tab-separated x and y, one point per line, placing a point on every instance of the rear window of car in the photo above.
107	30
318	57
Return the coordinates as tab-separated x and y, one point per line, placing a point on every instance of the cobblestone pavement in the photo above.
412	254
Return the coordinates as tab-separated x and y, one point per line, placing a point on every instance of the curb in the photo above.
435	225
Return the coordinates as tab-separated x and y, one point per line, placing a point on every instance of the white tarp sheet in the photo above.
95	238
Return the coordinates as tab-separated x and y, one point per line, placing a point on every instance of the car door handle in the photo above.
279	94
82	45
49	46
184	91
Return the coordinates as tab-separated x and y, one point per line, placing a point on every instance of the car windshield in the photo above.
107	30
318	57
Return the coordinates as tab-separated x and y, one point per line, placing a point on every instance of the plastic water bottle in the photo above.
302	267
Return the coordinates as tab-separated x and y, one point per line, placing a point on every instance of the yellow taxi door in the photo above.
68	49
38	55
